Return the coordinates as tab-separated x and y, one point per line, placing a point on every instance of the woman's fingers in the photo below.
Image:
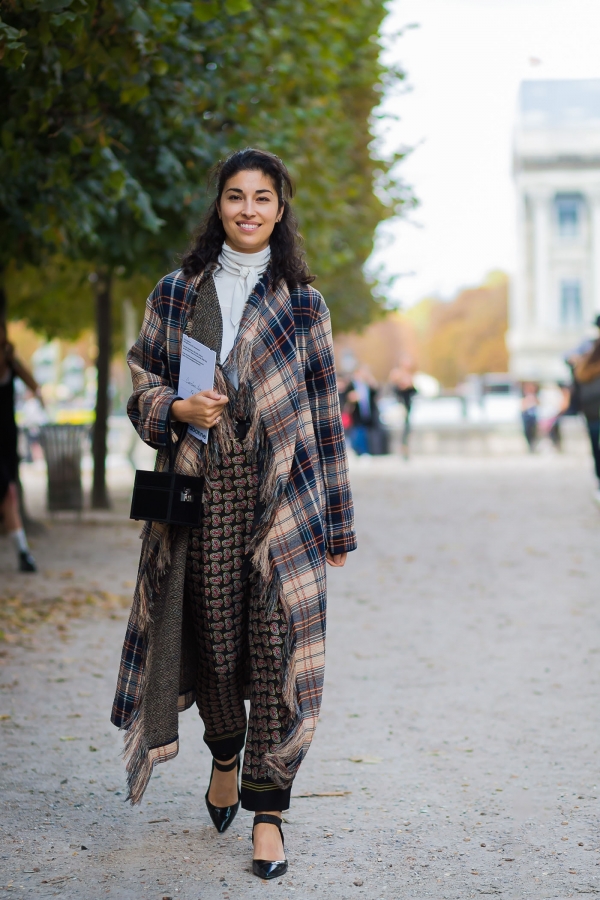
209	403
202	409
212	396
336	560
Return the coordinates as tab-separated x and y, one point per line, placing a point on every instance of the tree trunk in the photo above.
3	303
103	296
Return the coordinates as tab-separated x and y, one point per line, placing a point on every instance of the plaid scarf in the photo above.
288	394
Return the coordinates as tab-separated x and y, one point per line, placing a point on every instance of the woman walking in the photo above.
235	609
401	379
10	368
586	382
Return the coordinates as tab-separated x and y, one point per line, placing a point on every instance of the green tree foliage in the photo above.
113	112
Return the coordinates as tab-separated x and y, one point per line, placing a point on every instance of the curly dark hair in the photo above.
287	257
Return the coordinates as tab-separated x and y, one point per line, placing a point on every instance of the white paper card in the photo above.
196	373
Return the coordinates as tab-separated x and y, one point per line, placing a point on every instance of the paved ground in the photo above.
460	723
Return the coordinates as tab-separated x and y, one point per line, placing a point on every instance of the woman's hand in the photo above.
337	560
202	409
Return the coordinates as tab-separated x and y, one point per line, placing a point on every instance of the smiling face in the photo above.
249	208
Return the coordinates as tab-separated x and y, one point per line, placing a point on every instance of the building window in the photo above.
570	303
568	214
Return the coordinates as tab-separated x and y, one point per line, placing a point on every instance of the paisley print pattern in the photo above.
237	643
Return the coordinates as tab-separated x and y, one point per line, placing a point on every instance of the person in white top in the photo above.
248	582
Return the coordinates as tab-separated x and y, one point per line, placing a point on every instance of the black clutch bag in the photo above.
166	496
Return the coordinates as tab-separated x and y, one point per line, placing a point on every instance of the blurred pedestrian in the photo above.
250	582
401	379
529	413
586	377
343	386
10	368
32	418
563	402
553	402
365	430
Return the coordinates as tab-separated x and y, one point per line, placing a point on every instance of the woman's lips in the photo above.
247	227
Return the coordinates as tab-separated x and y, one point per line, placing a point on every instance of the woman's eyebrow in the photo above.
258	190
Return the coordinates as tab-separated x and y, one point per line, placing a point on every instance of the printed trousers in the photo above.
240	648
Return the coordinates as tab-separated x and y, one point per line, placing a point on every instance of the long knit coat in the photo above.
284	356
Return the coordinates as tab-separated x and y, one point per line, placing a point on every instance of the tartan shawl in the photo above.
284	352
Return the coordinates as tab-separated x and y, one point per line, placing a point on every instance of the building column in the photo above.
544	316
594	199
519	312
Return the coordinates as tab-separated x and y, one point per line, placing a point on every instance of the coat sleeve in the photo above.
150	404
321	385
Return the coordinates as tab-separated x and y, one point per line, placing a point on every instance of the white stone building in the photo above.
555	294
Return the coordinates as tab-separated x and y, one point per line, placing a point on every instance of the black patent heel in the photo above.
222	816
265	868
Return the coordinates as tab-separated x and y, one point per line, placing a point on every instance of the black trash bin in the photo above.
63	448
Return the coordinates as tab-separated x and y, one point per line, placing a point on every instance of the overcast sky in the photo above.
464	63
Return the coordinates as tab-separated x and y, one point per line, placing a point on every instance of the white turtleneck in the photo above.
235	280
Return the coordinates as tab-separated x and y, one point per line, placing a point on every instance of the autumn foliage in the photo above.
448	340
466	335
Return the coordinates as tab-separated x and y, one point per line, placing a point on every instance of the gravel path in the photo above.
460	725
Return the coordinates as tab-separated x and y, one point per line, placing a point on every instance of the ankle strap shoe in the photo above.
265	868
222	816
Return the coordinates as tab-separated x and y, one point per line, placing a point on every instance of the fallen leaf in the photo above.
366	760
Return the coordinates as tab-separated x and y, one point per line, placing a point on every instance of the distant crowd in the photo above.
360	409
580	396
543	405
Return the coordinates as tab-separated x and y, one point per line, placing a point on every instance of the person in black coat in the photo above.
366	434
11	368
